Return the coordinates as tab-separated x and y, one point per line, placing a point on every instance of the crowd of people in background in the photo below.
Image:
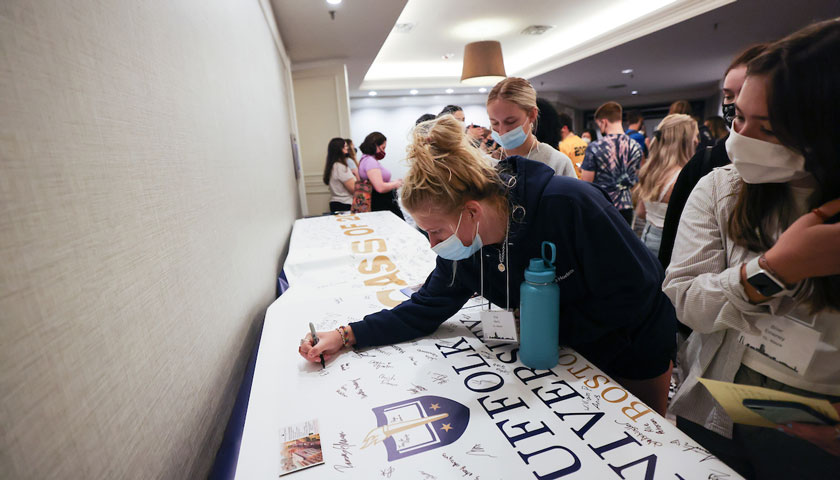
740	210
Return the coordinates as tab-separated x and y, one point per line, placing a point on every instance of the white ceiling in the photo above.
353	38
669	56
686	60
442	28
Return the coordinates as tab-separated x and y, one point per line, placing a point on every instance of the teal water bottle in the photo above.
539	312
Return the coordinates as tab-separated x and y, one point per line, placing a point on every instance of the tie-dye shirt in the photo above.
615	160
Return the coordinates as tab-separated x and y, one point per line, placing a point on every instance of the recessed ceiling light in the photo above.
449	90
413	91
634	92
482	90
483	28
447	56
333	2
372	93
536	29
627	71
403	27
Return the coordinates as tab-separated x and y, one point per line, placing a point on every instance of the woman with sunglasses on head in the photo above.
757	251
486	224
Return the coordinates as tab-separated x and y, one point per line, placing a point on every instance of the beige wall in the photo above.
147	193
322	106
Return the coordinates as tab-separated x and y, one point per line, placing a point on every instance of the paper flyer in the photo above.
300	447
731	395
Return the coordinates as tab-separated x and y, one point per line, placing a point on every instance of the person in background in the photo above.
613	161
352	161
717	126
570	144
707	159
488	145
588	135
513	112
474	133
612	310
383	196
757	251
673	144
547	129
338	176
425	118
455	111
635	124
680	106
705	135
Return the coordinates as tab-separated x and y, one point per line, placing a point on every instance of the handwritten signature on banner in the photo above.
377	264
343	446
558	395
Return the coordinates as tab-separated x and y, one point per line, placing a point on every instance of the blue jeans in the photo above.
652	237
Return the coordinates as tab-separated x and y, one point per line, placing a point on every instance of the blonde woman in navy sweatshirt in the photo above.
611	307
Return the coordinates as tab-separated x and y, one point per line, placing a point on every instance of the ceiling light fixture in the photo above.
413	91
483	28
482	90
627	71
333	2
536	29
483	63
634	92
372	93
449	90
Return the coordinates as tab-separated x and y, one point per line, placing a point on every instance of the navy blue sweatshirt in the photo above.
612	309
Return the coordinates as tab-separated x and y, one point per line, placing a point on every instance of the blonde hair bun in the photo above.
445	170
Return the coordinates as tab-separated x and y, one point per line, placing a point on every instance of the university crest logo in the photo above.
417	425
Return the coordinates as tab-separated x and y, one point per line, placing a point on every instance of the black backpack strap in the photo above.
707	160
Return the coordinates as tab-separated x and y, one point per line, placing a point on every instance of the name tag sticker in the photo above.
784	340
499	326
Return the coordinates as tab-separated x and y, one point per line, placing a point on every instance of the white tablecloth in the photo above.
444	406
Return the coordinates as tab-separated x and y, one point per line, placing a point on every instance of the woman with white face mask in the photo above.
707	159
486	224
513	112
758	254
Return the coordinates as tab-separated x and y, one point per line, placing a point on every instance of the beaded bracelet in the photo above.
345	335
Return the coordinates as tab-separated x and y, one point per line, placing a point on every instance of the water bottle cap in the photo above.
539	271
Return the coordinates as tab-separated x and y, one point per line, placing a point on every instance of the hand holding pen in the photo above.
329	344
315	342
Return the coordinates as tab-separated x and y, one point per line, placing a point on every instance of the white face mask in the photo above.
758	161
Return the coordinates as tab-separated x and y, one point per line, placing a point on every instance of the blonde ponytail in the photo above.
446	170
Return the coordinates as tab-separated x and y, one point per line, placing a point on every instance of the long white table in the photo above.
444	406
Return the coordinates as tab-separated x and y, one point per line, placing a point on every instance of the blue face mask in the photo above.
512	139
453	249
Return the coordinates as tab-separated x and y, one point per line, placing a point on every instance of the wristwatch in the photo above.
765	280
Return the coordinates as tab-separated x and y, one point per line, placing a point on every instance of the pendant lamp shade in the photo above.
483	63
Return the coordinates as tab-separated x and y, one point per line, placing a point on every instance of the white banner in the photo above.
444	406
